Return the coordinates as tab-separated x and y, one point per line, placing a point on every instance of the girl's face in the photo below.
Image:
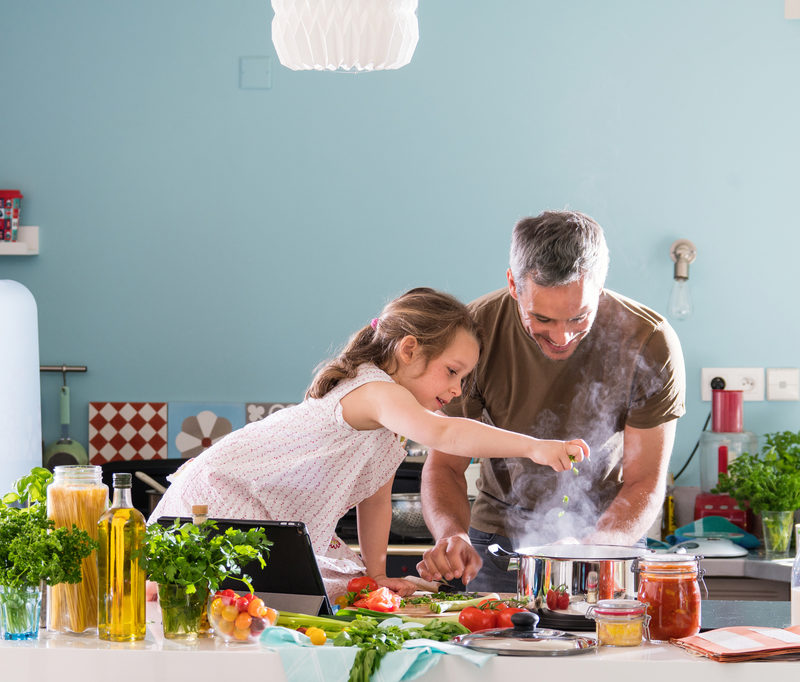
435	382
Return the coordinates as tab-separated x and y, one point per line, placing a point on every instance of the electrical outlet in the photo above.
783	383
747	379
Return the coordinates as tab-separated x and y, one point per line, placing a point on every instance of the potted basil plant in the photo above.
769	484
188	561
33	551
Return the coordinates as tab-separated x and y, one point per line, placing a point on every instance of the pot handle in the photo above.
502	558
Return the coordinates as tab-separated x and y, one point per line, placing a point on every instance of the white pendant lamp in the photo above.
345	35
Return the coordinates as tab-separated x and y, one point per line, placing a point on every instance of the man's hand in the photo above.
451	557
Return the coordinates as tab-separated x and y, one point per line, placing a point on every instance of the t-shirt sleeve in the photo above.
659	384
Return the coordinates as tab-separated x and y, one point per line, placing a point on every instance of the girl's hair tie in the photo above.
374	323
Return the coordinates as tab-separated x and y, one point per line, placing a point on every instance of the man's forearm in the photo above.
629	516
444	493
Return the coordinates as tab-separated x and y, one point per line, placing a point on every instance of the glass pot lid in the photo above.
525	639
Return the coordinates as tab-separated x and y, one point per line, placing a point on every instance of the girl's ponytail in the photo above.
430	316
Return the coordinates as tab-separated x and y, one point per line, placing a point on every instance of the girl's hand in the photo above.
401	586
559	454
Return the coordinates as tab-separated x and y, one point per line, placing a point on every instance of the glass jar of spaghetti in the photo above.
670	586
77	496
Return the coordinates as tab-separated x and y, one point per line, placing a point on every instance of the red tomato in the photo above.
382	599
493	604
504	616
242	604
475	619
361	583
558	598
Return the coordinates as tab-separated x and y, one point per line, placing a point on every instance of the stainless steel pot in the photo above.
589	572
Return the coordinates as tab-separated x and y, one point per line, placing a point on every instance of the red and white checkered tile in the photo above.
127	431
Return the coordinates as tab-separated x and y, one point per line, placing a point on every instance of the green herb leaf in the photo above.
32	549
200	556
769	481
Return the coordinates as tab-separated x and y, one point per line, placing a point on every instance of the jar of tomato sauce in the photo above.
670	586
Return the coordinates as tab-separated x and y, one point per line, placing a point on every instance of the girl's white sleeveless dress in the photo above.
302	463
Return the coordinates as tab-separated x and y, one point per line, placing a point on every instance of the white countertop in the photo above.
86	659
751	566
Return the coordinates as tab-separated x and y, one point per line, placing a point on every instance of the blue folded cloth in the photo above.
305	662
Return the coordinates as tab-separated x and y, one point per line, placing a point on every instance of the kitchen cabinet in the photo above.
27	243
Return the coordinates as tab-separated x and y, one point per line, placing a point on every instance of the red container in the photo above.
727	411
10	200
710	504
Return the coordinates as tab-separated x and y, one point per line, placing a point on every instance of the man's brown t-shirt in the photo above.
627	371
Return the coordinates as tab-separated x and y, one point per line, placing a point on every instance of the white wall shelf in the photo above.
27	243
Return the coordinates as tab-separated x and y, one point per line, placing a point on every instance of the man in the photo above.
562	358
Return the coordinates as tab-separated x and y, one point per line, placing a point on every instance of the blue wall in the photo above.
205	242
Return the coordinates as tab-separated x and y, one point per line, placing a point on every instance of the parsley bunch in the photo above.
374	641
200	556
765	483
31	548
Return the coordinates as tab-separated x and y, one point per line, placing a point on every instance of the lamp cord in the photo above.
696	445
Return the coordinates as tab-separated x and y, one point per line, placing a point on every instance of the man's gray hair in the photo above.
558	247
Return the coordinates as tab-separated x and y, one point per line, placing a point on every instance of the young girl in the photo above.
341	446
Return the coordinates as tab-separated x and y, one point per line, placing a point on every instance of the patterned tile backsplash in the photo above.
127	431
176	430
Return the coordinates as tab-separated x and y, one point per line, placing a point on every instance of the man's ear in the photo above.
407	349
512	285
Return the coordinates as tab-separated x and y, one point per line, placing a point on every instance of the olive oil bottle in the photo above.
121	576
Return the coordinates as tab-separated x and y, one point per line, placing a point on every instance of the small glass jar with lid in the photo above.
670	586
619	622
77	496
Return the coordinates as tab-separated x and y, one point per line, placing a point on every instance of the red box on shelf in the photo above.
709	504
10	200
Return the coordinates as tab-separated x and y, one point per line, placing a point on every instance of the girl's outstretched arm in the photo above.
390	405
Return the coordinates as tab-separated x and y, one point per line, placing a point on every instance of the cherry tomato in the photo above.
241	604
504	616
229	612
316	635
258	625
243	621
558	598
493	604
254	605
475	619
361	583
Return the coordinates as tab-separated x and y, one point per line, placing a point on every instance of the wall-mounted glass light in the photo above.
682	252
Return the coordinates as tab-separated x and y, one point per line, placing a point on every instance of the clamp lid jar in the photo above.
670	586
619	622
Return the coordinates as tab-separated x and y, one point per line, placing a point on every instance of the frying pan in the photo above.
64	450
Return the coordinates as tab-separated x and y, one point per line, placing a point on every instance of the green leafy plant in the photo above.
31	548
200	556
786	445
767	482
374	641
